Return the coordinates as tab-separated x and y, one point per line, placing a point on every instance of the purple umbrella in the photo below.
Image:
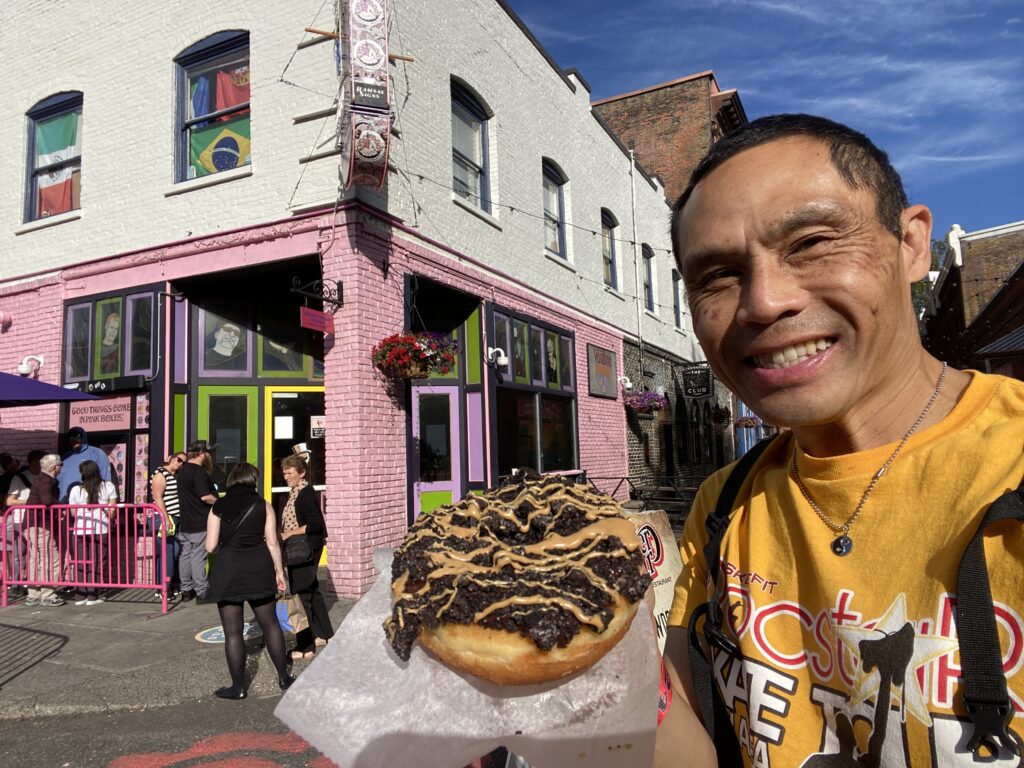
16	391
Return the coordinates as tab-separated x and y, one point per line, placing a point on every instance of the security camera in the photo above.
625	382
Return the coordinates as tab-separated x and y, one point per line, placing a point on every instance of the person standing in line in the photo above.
17	493
91	530
196	495
301	516
81	451
242	530
163	487
42	556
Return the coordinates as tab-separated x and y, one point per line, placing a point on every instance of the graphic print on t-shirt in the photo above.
871	680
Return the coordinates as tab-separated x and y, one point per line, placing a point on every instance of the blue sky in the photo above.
939	85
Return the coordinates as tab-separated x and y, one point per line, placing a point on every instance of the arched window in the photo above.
609	227
470	167
54	156
554	209
213	105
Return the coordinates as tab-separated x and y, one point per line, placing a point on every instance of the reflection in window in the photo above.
537	355
520	362
565	361
229	435
140	334
77	333
551	353
435	439
557	434
517	430
501	334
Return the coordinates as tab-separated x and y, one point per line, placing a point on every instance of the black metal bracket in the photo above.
321	291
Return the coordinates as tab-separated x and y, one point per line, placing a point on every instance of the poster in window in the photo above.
501	334
537	355
565	361
520	344
226	345
602	377
551	353
108	338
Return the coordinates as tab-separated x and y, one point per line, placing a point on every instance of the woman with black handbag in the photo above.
303	533
242	530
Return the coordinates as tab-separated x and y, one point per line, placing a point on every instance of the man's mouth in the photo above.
793	354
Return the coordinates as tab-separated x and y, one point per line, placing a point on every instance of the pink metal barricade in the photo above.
92	546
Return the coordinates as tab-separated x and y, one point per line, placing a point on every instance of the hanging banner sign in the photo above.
698	382
316	320
364	116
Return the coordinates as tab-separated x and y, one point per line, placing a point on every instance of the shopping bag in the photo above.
290	614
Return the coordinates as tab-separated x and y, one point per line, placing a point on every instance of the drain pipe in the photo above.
636	263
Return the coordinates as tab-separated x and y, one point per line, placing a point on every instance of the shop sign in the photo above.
698	382
602	372
316	320
317	426
111	415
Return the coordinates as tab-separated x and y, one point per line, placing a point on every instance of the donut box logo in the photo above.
651	549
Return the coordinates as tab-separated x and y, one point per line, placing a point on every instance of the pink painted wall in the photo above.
36	330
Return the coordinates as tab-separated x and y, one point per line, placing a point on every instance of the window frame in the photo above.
552	174
648	277
202	55
677	298
57	105
466	101
609	254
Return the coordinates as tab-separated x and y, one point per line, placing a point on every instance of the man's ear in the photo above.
916	245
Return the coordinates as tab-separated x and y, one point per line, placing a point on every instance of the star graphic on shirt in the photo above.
927	648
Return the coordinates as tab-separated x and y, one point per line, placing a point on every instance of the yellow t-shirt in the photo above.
805	617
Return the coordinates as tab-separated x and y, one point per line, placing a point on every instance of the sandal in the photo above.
320	642
300	656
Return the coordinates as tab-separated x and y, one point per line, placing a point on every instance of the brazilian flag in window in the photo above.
223	142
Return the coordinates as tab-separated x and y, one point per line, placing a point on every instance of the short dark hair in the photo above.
198	447
35	455
855	157
243	474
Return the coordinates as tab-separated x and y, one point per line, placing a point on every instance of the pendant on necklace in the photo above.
842	545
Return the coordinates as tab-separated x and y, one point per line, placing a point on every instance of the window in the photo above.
213	105
554	210
54	156
648	277
677	298
470	175
608	227
110	337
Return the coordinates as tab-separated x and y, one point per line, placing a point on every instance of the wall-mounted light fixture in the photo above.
30	366
625	382
496	357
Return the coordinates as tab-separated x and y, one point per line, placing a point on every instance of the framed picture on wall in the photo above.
226	345
602	372
107	349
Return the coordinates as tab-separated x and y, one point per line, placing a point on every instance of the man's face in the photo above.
800	298
75	441
227	337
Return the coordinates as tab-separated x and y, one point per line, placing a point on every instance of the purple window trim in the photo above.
180	321
475	436
200	346
129	333
69	338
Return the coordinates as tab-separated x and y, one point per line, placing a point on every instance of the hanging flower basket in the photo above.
409	355
645	402
748	422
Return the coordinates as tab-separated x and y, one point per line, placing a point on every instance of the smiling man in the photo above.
839	563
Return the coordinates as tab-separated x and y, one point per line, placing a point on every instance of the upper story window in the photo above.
648	255
213	105
554	209
677	298
608	228
54	156
470	169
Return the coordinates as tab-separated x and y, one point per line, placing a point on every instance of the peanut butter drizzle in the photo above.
553	557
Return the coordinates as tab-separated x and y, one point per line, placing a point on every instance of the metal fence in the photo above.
86	547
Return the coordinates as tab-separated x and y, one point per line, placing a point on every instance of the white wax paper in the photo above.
363	707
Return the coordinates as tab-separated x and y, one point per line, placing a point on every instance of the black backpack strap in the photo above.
985	694
712	709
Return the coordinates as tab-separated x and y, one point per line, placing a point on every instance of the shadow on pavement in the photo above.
22	648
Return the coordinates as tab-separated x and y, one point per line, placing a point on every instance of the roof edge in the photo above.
659	86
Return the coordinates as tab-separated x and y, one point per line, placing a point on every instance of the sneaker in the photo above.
187	595
33	601
15	592
52	601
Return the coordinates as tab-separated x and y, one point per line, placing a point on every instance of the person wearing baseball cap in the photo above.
196	495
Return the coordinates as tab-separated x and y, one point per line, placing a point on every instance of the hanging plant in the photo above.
645	402
409	355
720	414
748	422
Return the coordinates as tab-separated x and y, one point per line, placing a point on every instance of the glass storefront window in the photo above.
229	433
520	361
557	434
435	444
140	335
537	356
565	361
77	333
517	430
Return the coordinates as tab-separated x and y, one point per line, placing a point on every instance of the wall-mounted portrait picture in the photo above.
108	338
227	345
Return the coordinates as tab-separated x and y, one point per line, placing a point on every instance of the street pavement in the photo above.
120	685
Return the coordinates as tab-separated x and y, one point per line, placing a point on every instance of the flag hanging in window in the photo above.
220	147
57	140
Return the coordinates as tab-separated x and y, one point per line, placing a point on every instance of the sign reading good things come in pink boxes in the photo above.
110	415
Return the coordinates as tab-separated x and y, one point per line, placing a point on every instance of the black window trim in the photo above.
608	220
648	261
462	96
554	174
61	103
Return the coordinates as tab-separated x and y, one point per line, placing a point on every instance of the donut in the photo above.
526	583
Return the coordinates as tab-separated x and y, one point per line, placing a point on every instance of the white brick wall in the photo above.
122	61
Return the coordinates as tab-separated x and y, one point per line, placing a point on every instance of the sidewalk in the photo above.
122	654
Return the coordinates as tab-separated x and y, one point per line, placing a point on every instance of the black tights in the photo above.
234	643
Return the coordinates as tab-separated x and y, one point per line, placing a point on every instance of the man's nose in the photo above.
770	291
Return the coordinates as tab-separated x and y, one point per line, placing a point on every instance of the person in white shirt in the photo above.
91	531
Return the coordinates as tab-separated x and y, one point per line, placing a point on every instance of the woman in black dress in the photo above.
242	530
302	516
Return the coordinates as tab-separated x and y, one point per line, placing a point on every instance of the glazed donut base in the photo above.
507	658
